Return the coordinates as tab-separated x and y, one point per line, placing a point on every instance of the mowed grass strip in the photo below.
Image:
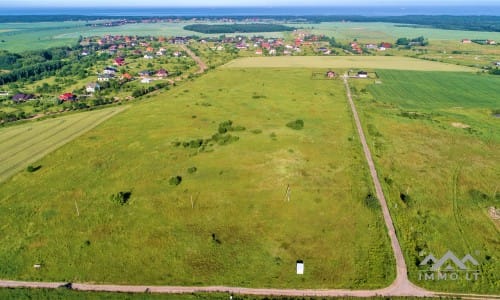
440	180
25	144
228	221
346	62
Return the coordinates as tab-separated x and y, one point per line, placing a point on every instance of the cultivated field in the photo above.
229	220
23	145
346	62
377	32
436	144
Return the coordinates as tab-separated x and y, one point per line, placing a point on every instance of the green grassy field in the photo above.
227	222
436	146
25	144
343	62
378	32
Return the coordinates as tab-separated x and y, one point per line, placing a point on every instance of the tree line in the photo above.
234	28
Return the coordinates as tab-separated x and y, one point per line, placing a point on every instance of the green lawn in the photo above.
436	145
227	222
25	144
345	62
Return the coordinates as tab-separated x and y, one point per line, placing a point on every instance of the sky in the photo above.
216	3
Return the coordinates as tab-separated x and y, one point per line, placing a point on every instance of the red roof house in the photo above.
67	97
119	61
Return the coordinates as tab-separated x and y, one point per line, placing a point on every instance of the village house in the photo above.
144	73
110	71
330	74
18	98
148	56
119	61
92	87
162	73
146	80
385	45
466	41
126	76
362	74
67	97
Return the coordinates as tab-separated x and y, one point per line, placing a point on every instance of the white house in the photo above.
146	80
92	87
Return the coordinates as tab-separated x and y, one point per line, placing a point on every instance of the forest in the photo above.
237	28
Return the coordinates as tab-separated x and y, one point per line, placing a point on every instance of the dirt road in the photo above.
401	284
203	67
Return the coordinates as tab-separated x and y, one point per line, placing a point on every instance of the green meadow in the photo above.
170	192
377	32
436	145
24	144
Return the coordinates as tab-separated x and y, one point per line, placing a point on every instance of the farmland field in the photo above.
376	32
436	144
203	206
25	144
345	62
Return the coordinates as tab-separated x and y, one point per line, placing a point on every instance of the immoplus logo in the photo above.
449	267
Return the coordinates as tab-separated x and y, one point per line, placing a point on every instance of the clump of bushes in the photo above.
222	137
32	168
296	125
175	180
121	197
228	126
371	201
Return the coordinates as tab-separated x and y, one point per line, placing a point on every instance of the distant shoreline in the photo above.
369	11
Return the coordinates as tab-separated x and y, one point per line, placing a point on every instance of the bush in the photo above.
192	170
121	197
175	180
297	124
371	201
32	169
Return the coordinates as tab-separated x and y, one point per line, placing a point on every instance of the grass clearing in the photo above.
27	143
226	223
440	180
345	62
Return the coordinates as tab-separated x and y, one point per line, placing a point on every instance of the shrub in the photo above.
256	131
32	169
192	170
371	201
121	197
297	124
175	180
